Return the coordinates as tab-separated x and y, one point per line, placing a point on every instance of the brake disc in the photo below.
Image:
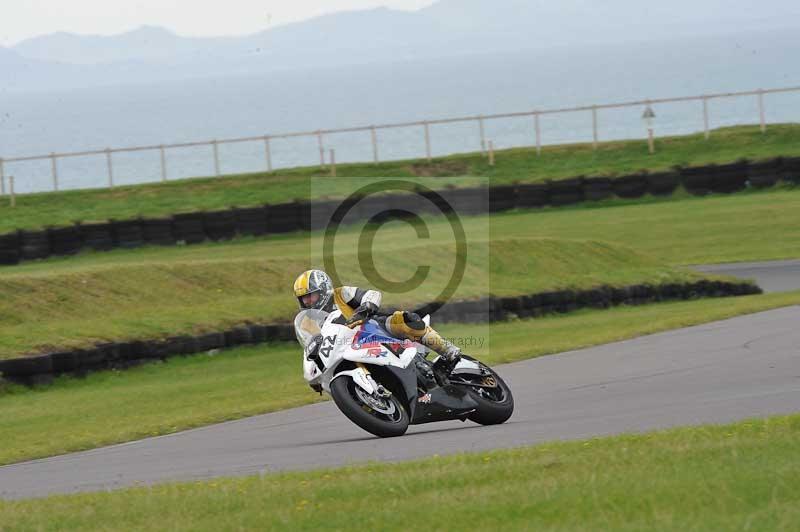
378	404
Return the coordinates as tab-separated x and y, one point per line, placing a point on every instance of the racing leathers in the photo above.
352	306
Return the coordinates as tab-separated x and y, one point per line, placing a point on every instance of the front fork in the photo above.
380	390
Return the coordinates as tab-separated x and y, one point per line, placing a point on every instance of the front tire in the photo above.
354	405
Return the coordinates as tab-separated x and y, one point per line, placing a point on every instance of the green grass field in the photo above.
707	478
522	164
101	296
42	311
114	407
742	476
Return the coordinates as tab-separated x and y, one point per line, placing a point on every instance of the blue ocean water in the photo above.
198	110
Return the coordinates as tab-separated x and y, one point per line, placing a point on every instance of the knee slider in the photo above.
414	321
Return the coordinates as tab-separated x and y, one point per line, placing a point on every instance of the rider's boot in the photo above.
446	349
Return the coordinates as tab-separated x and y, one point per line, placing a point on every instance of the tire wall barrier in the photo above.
40	369
197	227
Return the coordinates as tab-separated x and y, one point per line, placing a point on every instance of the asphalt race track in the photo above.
773	276
718	372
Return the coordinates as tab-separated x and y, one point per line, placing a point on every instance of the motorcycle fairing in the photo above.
442	403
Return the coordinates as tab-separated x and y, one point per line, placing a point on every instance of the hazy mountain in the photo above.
447	28
148	43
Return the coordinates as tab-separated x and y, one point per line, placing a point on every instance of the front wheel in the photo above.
385	417
495	402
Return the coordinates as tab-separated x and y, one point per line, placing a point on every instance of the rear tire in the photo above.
343	391
493	408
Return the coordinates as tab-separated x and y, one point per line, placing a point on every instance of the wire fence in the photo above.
424	131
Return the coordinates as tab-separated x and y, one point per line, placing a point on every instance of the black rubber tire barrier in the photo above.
321	212
98	237
157	231
197	227
502	198
566	191
238	336
790	170
26	366
283	218
468	201
188	228
9	257
378	207
65	240
765	173
533	196
127	233
562	301
251	221
632	186
34	245
729	178
698	181
10	242
597	188
433	203
663	183
220	225
121	355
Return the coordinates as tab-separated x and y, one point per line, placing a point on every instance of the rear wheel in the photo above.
385	417
495	402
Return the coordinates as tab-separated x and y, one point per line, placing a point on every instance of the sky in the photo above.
22	19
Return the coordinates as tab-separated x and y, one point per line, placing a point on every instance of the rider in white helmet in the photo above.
314	290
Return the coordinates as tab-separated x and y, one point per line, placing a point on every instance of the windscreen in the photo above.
308	324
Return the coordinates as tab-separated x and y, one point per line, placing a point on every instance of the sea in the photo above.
275	103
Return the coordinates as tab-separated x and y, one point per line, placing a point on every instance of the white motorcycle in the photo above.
384	384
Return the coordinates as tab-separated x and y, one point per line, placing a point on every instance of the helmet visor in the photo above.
310	300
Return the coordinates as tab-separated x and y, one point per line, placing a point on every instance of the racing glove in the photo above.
364	312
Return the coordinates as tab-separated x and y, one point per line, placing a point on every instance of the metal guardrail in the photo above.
373	129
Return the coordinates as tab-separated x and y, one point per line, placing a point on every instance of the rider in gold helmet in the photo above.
314	290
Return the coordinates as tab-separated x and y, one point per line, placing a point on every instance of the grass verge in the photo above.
100	296
753	225
113	407
521	164
76	308
727	477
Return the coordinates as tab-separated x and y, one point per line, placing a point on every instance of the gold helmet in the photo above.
313	282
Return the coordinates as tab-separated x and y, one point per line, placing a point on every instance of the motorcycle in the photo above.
384	384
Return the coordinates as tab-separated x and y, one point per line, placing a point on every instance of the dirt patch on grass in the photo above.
439	169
